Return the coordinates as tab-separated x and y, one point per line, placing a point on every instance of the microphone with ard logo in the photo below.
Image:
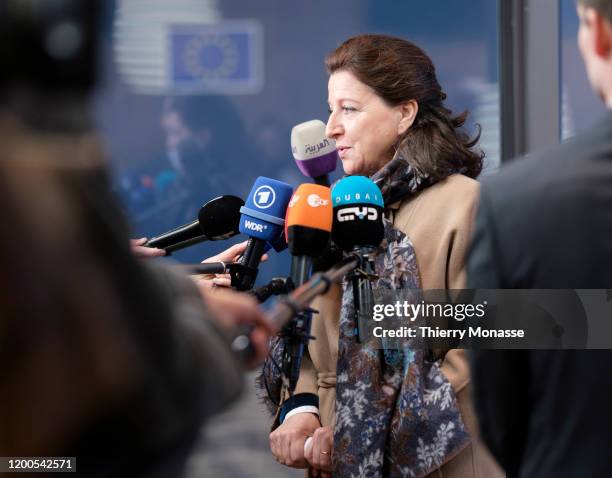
358	228
262	220
314	153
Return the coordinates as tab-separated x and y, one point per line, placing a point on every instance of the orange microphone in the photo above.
308	227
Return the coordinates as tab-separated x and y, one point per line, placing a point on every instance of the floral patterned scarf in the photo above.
396	413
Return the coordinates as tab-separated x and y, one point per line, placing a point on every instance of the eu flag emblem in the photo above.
221	58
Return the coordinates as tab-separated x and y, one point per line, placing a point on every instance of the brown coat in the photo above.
439	223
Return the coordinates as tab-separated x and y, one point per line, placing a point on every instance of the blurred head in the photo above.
212	122
182	119
385	100
595	44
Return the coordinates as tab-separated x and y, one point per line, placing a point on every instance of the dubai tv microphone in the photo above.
218	219
262	219
314	153
358	228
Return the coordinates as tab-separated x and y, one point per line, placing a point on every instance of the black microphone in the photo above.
262	219
358	227
218	219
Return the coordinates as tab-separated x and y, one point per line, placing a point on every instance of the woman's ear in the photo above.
601	30
408	111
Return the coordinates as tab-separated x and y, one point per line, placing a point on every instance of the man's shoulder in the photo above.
560	170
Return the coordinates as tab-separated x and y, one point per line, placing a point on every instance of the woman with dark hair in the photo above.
390	412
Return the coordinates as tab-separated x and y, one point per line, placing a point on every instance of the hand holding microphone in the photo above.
229	255
140	250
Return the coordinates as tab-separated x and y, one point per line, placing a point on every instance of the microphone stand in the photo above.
277	286
363	299
292	305
295	334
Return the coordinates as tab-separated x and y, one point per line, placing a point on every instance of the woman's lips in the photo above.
342	150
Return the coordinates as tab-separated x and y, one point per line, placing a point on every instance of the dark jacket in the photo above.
546	222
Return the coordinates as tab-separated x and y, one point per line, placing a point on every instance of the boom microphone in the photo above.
262	219
217	220
358	227
314	153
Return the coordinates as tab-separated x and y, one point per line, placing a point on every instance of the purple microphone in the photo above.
314	153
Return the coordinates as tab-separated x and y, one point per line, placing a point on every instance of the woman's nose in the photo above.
333	129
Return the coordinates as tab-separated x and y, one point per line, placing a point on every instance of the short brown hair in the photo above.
399	71
604	7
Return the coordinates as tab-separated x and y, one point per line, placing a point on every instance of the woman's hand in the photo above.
287	441
140	250
319	452
231	254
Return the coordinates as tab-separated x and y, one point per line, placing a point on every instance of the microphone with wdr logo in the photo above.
217	220
314	153
262	219
358	227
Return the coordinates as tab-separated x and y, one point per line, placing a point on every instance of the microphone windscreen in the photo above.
310	206
263	215
220	217
314	153
358	213
309	220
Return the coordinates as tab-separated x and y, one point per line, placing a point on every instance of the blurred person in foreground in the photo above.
546	223
391	412
106	358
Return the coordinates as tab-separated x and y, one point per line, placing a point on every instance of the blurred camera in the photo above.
49	44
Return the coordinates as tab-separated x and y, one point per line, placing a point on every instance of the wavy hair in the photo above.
399	71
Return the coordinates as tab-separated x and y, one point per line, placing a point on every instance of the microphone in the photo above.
308	230
314	153
218	219
358	227
262	219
